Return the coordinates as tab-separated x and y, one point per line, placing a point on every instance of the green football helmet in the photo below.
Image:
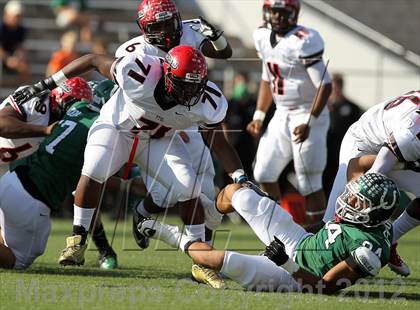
102	91
370	200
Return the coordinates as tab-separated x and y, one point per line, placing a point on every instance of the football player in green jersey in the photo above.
353	246
37	184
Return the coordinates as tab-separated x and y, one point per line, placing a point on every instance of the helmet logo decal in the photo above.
171	61
193	77
65	88
161	16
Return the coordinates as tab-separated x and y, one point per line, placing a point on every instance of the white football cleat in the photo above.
396	264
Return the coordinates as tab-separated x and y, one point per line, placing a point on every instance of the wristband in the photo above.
59	77
290	266
310	120
237	174
220	43
259	115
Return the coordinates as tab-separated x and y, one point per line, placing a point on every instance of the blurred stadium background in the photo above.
375	44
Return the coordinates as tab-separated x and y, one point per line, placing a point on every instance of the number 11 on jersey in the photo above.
278	82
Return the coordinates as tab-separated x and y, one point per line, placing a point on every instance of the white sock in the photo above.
82	217
234	267
140	209
402	225
184	241
195	231
179	240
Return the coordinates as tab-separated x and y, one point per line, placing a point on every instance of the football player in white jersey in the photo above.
24	126
386	139
295	77
156	98
162	28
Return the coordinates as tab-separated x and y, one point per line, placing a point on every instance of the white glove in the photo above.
206	29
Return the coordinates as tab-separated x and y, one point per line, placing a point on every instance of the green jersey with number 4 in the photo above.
335	242
55	168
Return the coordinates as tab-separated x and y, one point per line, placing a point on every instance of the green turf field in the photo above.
158	278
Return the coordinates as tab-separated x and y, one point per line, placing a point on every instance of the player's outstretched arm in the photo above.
13	126
227	155
84	64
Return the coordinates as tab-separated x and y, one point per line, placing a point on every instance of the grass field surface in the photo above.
159	278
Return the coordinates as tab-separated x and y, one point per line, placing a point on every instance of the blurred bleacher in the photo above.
113	21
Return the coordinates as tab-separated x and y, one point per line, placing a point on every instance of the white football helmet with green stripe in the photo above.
370	200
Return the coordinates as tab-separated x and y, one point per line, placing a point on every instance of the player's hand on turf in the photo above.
207	29
254	128
27	93
276	252
301	133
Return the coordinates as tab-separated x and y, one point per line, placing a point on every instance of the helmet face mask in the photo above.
369	201
185	74
160	22
185	91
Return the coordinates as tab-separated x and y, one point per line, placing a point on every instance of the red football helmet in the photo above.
185	70
77	89
160	22
289	14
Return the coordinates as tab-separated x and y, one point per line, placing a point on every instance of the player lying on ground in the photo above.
39	183
386	162
354	246
386	139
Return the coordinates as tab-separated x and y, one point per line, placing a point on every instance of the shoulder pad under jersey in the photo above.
137	74
213	106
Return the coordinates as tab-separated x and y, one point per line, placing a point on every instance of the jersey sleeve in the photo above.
312	47
128	47
213	106
137	74
367	262
404	141
257	35
29	110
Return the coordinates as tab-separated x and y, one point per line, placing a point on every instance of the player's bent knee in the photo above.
224	198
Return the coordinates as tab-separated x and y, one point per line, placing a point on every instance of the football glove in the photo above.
256	189
207	29
23	95
276	252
